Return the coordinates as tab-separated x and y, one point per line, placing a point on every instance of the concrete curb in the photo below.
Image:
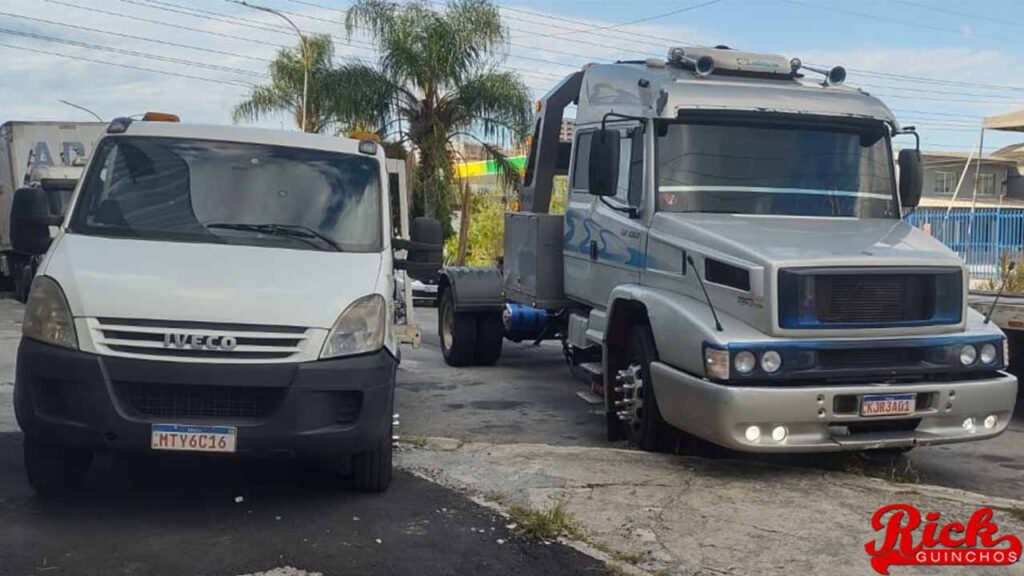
691	516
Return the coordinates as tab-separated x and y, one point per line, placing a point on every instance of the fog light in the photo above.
753	434
968	354
771	361
779	433
716	363
969	425
988	353
991	421
744	362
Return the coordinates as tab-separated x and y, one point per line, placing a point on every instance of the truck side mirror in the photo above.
911	177
31	220
604	162
425	250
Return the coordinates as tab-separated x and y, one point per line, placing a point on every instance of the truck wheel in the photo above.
490	333
55	469
371	470
18	268
457	332
640	413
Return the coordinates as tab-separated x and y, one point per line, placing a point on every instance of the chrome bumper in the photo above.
721	414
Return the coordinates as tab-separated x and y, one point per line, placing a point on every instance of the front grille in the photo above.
185	401
170	339
869	358
869	297
874	297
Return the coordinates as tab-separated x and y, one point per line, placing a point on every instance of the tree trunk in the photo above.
460	259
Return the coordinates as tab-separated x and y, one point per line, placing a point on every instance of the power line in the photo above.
147	55
122	65
958	13
133	37
902	22
630	22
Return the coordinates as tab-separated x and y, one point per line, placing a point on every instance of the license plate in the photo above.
178	437
888	405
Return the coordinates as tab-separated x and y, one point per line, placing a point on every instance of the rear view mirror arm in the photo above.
620	117
631	211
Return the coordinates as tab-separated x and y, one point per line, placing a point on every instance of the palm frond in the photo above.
497	104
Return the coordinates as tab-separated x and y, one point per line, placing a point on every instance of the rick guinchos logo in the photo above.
905	538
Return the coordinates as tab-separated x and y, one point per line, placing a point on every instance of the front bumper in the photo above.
328	407
820	418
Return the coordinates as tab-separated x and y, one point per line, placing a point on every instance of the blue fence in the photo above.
980	237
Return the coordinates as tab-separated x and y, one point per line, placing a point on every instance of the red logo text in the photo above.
907	539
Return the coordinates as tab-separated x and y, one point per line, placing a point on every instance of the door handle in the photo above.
593	249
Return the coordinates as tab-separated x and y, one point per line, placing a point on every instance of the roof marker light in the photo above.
160	117
119	125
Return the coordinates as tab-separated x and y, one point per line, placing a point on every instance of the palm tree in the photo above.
436	81
284	92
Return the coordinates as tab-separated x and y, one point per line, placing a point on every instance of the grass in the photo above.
894	469
545	525
416	441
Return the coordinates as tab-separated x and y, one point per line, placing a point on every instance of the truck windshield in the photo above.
762	169
231	193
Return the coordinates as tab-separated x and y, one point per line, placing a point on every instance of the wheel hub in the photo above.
629	386
447	327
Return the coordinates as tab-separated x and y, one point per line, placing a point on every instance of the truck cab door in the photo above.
604	244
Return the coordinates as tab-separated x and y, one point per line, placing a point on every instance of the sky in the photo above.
940	65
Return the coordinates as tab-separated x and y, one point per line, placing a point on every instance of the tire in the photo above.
18	271
490	334
650	432
457	332
372	470
55	469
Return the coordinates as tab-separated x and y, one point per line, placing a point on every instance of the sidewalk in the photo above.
675	515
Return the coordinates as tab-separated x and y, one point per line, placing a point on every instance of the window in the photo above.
945	182
581	168
629	188
231	193
987	185
774	168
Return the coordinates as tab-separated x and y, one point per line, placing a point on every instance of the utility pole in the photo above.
305	54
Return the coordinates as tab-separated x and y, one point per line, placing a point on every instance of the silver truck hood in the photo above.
788	240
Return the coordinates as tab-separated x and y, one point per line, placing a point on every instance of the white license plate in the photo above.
179	437
888	405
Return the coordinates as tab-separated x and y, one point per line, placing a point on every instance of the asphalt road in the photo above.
180	517
530	396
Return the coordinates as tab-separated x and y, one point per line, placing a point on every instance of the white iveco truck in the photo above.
733	265
215	290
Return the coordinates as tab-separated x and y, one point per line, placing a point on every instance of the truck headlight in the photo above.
988	353
771	361
48	316
744	362
968	354
359	329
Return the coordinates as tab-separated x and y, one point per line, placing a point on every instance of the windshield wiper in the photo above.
289	230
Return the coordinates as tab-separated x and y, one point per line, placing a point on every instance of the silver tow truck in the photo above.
733	265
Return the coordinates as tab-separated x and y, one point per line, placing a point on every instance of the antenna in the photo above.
718	325
1009	268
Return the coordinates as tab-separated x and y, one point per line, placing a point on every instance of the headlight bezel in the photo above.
48	318
347	338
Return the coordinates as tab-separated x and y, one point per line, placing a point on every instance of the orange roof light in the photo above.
160	117
364	135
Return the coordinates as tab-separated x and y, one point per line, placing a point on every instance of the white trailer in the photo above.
31	153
